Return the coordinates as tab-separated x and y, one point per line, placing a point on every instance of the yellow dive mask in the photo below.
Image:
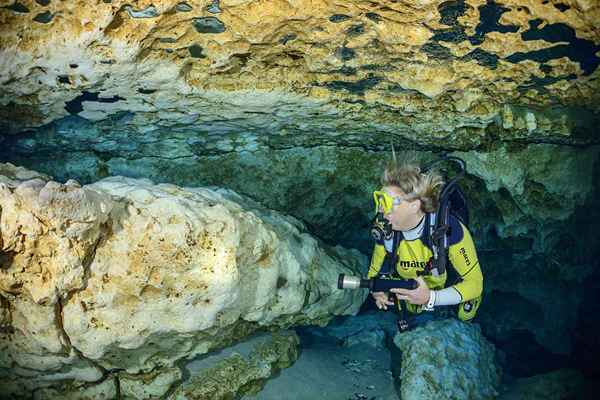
384	202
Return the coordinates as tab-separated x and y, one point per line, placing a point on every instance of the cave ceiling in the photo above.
453	74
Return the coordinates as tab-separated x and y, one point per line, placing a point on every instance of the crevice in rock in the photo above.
58	320
287	38
17	7
373	17
118	386
214	7
6	258
355	30
562	7
577	50
196	51
335	18
148	12
489	21
106	232
183	7
357	87
114	24
208	25
6	326
44	18
74	106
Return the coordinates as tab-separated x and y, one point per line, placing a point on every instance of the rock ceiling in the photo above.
455	74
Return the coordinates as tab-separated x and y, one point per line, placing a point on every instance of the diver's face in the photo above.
404	214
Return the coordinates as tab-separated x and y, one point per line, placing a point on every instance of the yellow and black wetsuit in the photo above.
413	255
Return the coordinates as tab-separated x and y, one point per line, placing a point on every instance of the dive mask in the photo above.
384	202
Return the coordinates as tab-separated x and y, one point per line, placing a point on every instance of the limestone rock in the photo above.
424	71
367	328
446	359
547	184
49	235
131	275
240	370
105	390
148	386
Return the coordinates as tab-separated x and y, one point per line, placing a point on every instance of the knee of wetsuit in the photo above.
468	309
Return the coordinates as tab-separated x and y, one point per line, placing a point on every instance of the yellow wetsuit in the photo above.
414	255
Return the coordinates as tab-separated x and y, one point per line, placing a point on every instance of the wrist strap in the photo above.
431	302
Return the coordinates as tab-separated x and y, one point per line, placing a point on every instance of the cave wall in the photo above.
531	205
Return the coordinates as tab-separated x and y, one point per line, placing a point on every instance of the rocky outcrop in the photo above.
446	359
545	183
153	385
370	329
242	369
460	71
131	276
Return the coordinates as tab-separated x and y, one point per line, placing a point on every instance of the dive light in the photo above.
375	284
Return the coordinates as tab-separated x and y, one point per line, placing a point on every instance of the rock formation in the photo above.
458	71
446	359
125	275
243	369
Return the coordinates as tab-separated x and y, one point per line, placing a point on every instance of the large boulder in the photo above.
446	359
124	274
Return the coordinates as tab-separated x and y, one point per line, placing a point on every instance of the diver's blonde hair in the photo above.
416	185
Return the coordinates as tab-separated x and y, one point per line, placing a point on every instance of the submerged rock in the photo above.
446	359
370	329
242	369
124	274
105	390
152	385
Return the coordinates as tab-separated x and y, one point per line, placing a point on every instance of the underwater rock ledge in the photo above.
472	70
124	275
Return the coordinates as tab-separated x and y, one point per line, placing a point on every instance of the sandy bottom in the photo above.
328	371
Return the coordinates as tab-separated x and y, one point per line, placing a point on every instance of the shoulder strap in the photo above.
391	257
438	240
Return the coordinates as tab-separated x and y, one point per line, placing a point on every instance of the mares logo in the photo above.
464	254
412	264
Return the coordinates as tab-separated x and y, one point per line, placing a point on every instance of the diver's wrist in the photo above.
431	303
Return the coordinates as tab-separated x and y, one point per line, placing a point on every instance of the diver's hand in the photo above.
419	296
382	300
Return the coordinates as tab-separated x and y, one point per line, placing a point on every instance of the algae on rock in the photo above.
446	359
243	369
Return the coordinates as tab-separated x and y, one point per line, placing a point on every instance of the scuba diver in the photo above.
420	224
